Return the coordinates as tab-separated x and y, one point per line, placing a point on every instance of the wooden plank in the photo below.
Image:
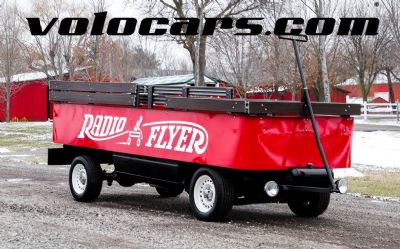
261	107
93	98
211	91
207	104
93	87
287	107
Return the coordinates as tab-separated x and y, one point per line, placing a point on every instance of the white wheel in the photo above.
211	195
79	179
204	193
85	178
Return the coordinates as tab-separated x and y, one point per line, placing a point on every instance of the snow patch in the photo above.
376	198
345	173
18	180
4	150
378	149
378	122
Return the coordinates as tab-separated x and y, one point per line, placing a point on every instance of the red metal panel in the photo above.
231	141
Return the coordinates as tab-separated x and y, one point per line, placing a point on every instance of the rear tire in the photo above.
85	179
169	191
211	195
309	204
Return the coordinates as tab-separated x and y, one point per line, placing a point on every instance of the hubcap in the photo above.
204	193
79	179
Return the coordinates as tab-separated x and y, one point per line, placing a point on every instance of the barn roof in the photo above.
32	76
380	79
175	80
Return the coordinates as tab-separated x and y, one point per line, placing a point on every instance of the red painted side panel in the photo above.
231	141
29	101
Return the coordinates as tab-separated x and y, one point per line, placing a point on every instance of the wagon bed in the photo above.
166	135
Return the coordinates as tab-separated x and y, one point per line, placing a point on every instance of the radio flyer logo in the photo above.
180	136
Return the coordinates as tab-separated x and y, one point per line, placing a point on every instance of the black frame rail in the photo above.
212	99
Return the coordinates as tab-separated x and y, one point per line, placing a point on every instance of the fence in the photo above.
385	110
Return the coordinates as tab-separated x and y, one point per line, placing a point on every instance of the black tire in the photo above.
309	204
223	196
169	191
94	179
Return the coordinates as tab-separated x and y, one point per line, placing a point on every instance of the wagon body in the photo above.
222	151
233	141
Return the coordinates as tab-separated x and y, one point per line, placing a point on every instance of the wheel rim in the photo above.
204	193
79	179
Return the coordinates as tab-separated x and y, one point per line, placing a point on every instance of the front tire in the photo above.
309	204
211	195
85	179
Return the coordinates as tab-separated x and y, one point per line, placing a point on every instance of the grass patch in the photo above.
25	136
30	139
377	183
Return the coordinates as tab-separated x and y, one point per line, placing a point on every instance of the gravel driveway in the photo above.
37	211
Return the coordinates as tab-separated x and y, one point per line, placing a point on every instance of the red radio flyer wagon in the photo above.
222	151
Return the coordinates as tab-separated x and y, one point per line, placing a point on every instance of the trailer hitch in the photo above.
307	102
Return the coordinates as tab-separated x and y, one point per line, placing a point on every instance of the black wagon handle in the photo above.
307	101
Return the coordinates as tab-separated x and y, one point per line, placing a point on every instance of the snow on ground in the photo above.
4	150
392	122
379	149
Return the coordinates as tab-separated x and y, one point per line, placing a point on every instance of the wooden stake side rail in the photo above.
93	93
265	107
185	98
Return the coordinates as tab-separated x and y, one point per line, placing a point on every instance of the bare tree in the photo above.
196	46
44	54
392	54
322	9
10	34
237	59
94	43
277	55
364	52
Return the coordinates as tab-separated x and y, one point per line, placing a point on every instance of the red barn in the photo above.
379	88
28	100
337	94
29	94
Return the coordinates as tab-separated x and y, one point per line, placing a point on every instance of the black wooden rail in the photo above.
93	93
258	107
128	93
213	99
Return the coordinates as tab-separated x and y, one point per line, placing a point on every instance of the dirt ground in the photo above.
38	211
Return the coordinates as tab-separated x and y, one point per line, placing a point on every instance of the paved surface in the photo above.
371	127
37	211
